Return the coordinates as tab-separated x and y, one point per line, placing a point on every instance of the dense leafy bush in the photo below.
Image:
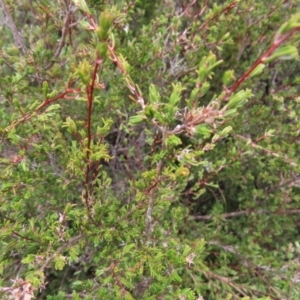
149	150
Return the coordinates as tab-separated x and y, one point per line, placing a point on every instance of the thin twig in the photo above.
248	212
61	44
261	59
256	146
60	249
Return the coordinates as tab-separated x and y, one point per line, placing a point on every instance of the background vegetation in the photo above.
149	149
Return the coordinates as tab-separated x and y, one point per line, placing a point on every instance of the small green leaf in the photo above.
82	5
70	124
76	296
45	88
207	64
188	157
154	96
16	78
200	246
257	71
230	112
204	88
28	259
53	107
195	92
107	279
176	94
105	23
134	120
84	71
86	25
215	138
73	252
52	94
104	129
59	262
172	141
203	130
283	53
175	276
294	22
34	105
228	77
99	272
102	50
270	133
238	99
16	103
226	131
128	247
123	61
182	172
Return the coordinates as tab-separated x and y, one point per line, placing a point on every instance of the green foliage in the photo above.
149	151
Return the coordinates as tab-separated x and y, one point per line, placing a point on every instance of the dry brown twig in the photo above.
20	290
19	42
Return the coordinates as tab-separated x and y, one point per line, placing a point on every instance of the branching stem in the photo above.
274	46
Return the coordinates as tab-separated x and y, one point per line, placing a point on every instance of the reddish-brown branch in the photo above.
60	96
201	11
94	25
115	59
22	237
225	10
115	276
269	14
90	95
28	116
90	92
131	86
275	45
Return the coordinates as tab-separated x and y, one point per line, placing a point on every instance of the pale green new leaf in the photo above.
134	120
154	96
82	5
239	99
258	70
284	53
176	94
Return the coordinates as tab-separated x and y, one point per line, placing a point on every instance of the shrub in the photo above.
149	151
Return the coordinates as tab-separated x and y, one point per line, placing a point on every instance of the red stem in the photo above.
90	92
225	10
27	116
60	96
275	45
